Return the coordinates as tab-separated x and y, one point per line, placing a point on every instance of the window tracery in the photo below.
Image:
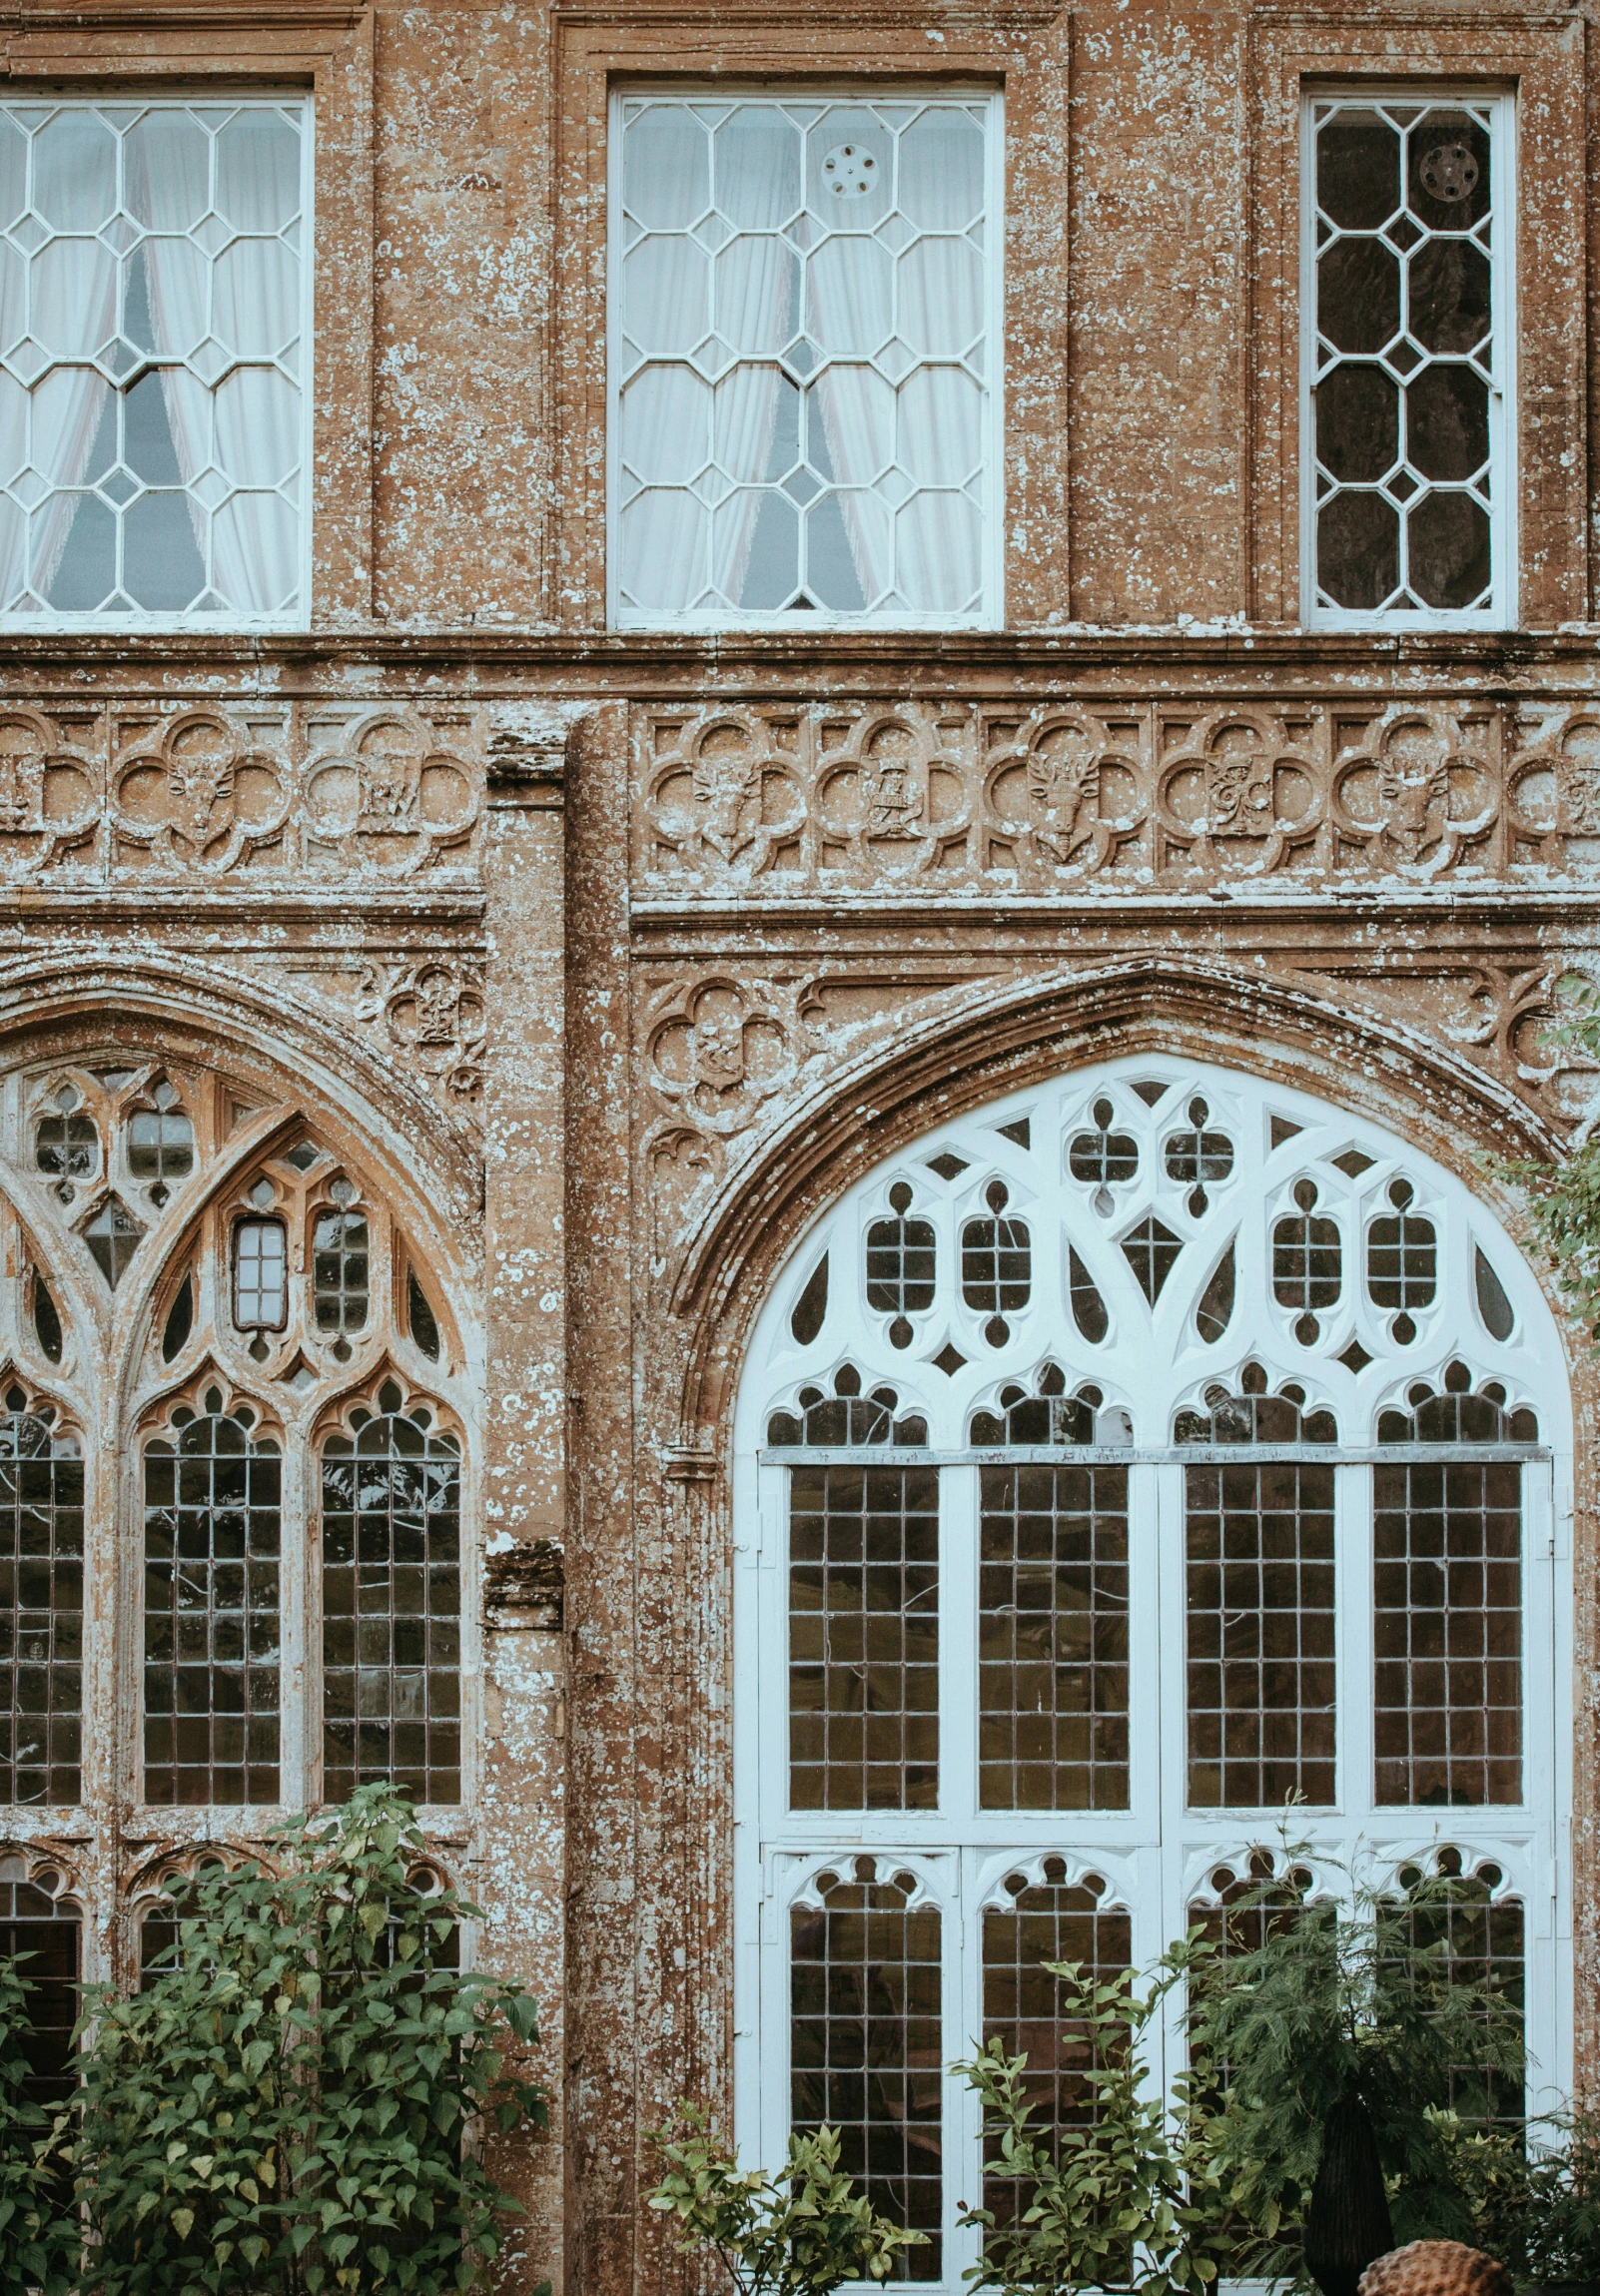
161	1512
1105	1588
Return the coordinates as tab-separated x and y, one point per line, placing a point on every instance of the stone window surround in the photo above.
1537	59
599	52
323	51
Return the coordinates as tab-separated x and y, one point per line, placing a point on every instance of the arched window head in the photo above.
40	1918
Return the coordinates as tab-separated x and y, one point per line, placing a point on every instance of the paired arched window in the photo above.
276	1527
1146	1479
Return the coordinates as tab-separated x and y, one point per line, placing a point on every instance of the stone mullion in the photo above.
608	1794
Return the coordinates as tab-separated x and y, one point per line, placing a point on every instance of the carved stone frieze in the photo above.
189	793
1115	795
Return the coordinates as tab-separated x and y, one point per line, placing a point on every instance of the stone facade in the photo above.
613	959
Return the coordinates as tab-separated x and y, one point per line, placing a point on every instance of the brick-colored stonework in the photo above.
610	960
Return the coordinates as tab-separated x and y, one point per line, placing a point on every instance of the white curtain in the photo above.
73	297
850	309
254	292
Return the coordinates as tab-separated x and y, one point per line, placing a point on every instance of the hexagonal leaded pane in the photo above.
821	263
1407	258
153	299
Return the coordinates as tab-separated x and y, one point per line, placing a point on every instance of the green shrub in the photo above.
37	2241
799	2233
1127	2197
291	2103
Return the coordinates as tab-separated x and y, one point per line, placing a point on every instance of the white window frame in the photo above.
991	611
137	97
1501	612
1156	1856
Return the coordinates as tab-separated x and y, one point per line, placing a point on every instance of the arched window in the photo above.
39	1919
41	1606
1143	1479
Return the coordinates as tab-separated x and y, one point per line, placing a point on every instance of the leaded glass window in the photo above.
803	417
213	1604
153	378
392	1605
1408	438
1251	1507
41	1612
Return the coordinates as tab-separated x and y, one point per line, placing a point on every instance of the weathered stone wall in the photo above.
656	944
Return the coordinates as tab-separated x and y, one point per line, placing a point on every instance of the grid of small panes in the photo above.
1150	1451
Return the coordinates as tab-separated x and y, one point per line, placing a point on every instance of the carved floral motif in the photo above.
431	1013
50	793
385	791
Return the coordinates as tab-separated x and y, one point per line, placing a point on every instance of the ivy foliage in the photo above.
37	2243
1563	1200
1130	2195
799	2233
291	2102
1340	1999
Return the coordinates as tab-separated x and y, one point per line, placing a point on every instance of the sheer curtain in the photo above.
254	292
73	311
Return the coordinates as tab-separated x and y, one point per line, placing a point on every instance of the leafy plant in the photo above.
799	2233
1347	2007
1535	2207
289	2104
38	2240
1127	2197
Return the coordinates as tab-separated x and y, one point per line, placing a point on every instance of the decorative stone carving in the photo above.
1418	790
717	1048
1063	792
198	792
385	792
431	1014
1239	790
50	794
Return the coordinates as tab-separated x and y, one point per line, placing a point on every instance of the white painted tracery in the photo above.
1379	1319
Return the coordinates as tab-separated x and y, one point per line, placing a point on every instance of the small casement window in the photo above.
154	278
805	359
65	1143
339	1279
161	1144
261	1276
1407	431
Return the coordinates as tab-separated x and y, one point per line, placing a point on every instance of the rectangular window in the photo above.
804	414
1261	1635
261	1276
155	284
1448	1597
1053	1639
1408	430
863	1638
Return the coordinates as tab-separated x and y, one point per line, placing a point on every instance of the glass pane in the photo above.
1052	1920
1478	1941
261	1275
1447	1596
30	1924
1053	1638
1259	1581
212	1578
866	2045
863	1638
